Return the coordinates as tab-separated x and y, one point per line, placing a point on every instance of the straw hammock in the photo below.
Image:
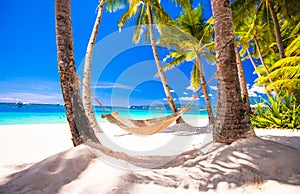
144	127
148	126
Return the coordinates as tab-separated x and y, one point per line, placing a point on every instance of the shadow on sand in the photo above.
247	161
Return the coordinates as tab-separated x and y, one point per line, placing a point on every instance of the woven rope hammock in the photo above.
144	127
148	126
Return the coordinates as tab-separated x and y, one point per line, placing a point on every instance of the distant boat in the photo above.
18	104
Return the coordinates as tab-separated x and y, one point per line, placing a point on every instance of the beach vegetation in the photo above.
277	113
265	11
268	34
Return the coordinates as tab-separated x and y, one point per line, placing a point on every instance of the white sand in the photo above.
252	165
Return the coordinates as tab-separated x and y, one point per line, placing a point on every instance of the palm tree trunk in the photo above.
277	30
232	122
242	80
159	67
87	102
263	63
253	63
211	117
79	125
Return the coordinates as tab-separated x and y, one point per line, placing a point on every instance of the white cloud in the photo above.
255	90
109	85
185	98
50	98
208	95
165	99
185	93
8	99
190	88
214	87
172	91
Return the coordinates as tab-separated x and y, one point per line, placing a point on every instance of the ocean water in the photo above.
12	114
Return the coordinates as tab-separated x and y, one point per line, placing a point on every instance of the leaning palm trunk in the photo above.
79	125
277	30
232	122
87	102
242	80
159	67
253	63
264	65
211	117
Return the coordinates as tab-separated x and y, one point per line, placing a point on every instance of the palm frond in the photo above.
115	5
174	38
294	48
286	62
177	59
161	16
183	3
286	73
289	84
139	25
241	8
129	13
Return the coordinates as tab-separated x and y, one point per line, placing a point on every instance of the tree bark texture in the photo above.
277	30
79	125
232	121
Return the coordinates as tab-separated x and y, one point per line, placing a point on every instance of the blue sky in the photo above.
123	72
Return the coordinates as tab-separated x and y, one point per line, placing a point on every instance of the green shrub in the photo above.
272	113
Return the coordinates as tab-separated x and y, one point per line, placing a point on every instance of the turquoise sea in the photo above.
12	114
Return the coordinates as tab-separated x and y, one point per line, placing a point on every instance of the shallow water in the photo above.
11	114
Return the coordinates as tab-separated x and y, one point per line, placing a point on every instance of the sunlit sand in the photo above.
41	159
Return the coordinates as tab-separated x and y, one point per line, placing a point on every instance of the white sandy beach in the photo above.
41	159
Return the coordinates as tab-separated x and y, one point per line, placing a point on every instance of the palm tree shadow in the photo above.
51	173
187	130
253	161
247	161
293	141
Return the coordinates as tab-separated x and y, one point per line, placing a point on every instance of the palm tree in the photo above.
190	37
87	102
243	7
242	79
232	121
253	31
111	5
80	127
145	10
